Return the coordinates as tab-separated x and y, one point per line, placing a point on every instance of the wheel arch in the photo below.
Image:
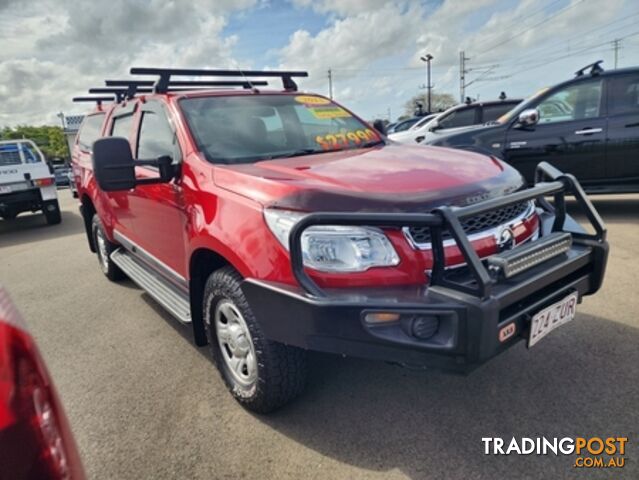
87	209
203	262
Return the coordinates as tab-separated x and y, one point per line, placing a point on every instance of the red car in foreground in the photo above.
36	442
276	222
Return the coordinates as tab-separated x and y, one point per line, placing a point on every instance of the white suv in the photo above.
26	182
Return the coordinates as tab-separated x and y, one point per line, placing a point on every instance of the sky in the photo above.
52	50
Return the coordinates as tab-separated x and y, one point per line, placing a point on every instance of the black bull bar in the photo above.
549	181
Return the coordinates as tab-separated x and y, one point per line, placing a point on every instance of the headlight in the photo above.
334	248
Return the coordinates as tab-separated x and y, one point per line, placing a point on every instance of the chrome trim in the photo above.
588	131
494	232
152	260
530	238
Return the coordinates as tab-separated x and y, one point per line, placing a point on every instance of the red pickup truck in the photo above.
276	222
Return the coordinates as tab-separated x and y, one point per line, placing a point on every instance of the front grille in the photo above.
485	221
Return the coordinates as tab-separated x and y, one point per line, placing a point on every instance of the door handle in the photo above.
588	131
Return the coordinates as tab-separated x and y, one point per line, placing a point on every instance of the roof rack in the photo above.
595	69
164	81
129	88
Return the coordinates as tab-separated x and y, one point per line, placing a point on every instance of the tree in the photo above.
439	102
49	139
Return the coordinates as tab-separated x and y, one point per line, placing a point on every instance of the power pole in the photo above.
462	75
616	44
330	83
427	58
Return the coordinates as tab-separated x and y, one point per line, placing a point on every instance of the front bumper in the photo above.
467	308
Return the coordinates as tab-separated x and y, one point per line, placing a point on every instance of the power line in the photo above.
538	51
545	20
527	15
556	59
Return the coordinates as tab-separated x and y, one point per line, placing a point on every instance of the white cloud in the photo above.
346	7
53	50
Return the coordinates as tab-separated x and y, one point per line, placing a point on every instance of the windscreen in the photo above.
243	129
17	153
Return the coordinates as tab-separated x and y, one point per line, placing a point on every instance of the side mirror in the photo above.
528	117
380	126
114	166
434	126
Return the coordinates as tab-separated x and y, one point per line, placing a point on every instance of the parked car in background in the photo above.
587	126
403	125
26	182
72	186
459	116
35	438
61	173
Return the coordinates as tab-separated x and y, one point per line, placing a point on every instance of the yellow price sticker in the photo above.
325	113
312	100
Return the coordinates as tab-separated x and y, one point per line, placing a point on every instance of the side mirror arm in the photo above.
165	166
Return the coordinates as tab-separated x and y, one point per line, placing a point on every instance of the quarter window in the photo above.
90	131
576	102
122	126
156	137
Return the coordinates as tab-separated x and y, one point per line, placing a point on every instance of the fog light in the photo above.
425	326
381	317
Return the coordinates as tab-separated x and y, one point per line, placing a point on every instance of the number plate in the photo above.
552	317
5	189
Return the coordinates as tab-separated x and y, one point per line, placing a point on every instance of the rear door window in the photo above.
458	118
90	131
17	153
10	154
493	112
623	96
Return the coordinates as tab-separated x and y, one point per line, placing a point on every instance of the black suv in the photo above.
587	126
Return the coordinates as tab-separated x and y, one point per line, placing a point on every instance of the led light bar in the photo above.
520	259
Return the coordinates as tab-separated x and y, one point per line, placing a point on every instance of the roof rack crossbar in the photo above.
164	74
97	100
187	83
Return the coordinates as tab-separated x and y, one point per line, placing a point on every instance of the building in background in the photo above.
71	125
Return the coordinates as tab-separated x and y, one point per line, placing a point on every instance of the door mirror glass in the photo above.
528	117
113	164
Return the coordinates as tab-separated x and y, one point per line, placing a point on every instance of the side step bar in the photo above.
167	295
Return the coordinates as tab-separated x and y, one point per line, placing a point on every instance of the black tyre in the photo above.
103	249
262	375
52	213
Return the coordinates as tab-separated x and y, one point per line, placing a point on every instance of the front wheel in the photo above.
262	375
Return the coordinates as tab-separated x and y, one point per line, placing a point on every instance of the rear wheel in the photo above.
103	249
52	213
262	375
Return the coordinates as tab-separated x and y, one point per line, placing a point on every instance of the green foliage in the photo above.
50	139
439	102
